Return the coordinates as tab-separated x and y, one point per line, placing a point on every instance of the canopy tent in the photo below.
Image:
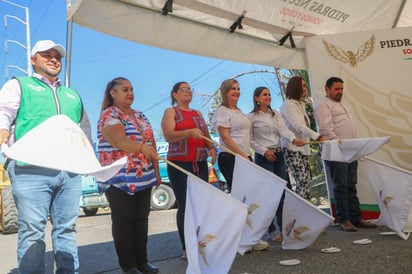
286	34
242	30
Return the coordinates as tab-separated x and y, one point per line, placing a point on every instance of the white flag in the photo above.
302	222
349	150
59	143
261	190
393	191
213	227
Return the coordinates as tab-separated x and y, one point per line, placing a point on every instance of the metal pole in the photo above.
68	52
27	24
28	48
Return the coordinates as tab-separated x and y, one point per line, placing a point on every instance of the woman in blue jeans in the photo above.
268	128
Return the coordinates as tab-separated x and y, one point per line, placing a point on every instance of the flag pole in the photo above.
387	165
175	166
313	143
321	142
219	145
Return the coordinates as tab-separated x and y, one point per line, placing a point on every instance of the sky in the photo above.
98	58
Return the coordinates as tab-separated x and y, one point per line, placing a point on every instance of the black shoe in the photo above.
131	271
365	224
148	268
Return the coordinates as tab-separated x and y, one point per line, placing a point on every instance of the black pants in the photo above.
179	183
226	164
130	219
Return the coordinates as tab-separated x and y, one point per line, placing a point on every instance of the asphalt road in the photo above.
385	254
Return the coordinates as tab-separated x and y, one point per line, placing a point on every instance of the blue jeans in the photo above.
39	193
344	177
279	168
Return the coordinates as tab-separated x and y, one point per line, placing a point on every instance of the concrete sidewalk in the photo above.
386	254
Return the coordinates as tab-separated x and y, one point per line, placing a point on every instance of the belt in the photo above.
275	149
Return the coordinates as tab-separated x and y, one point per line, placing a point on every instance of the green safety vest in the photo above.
39	102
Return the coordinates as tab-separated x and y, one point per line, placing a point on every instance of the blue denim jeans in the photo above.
39	193
344	177
279	168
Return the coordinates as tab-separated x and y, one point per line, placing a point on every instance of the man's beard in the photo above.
338	97
52	73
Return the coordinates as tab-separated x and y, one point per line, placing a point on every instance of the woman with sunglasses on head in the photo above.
268	128
234	128
184	129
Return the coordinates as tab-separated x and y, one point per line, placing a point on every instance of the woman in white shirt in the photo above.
234	131
233	127
268	128
296	119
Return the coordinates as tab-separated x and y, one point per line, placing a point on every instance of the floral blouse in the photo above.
138	173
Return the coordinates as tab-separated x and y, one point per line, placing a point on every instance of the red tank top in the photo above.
189	149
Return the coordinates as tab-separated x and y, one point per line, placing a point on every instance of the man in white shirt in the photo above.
336	122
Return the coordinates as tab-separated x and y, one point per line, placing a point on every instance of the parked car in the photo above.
91	200
163	197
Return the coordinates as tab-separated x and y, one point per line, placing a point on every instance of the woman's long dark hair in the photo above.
256	93
294	88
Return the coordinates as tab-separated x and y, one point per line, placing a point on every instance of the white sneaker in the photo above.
260	246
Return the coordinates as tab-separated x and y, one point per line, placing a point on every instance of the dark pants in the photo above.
279	168
344	177
130	218
226	164
179	182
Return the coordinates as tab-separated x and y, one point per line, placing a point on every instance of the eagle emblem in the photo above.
299	230
385	199
252	208
349	56
202	245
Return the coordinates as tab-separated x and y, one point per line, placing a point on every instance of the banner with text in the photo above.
375	67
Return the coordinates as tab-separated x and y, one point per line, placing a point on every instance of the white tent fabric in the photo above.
202	27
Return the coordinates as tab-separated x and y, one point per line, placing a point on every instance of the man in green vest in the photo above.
40	192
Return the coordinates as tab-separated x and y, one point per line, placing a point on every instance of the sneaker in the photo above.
260	246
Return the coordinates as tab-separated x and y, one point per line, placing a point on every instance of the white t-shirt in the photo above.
238	123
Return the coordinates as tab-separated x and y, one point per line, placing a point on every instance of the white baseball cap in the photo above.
44	45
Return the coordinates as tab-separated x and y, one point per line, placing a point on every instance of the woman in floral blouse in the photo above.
123	131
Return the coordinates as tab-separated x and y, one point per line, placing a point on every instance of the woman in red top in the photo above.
184	128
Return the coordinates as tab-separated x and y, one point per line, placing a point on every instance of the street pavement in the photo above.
385	254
